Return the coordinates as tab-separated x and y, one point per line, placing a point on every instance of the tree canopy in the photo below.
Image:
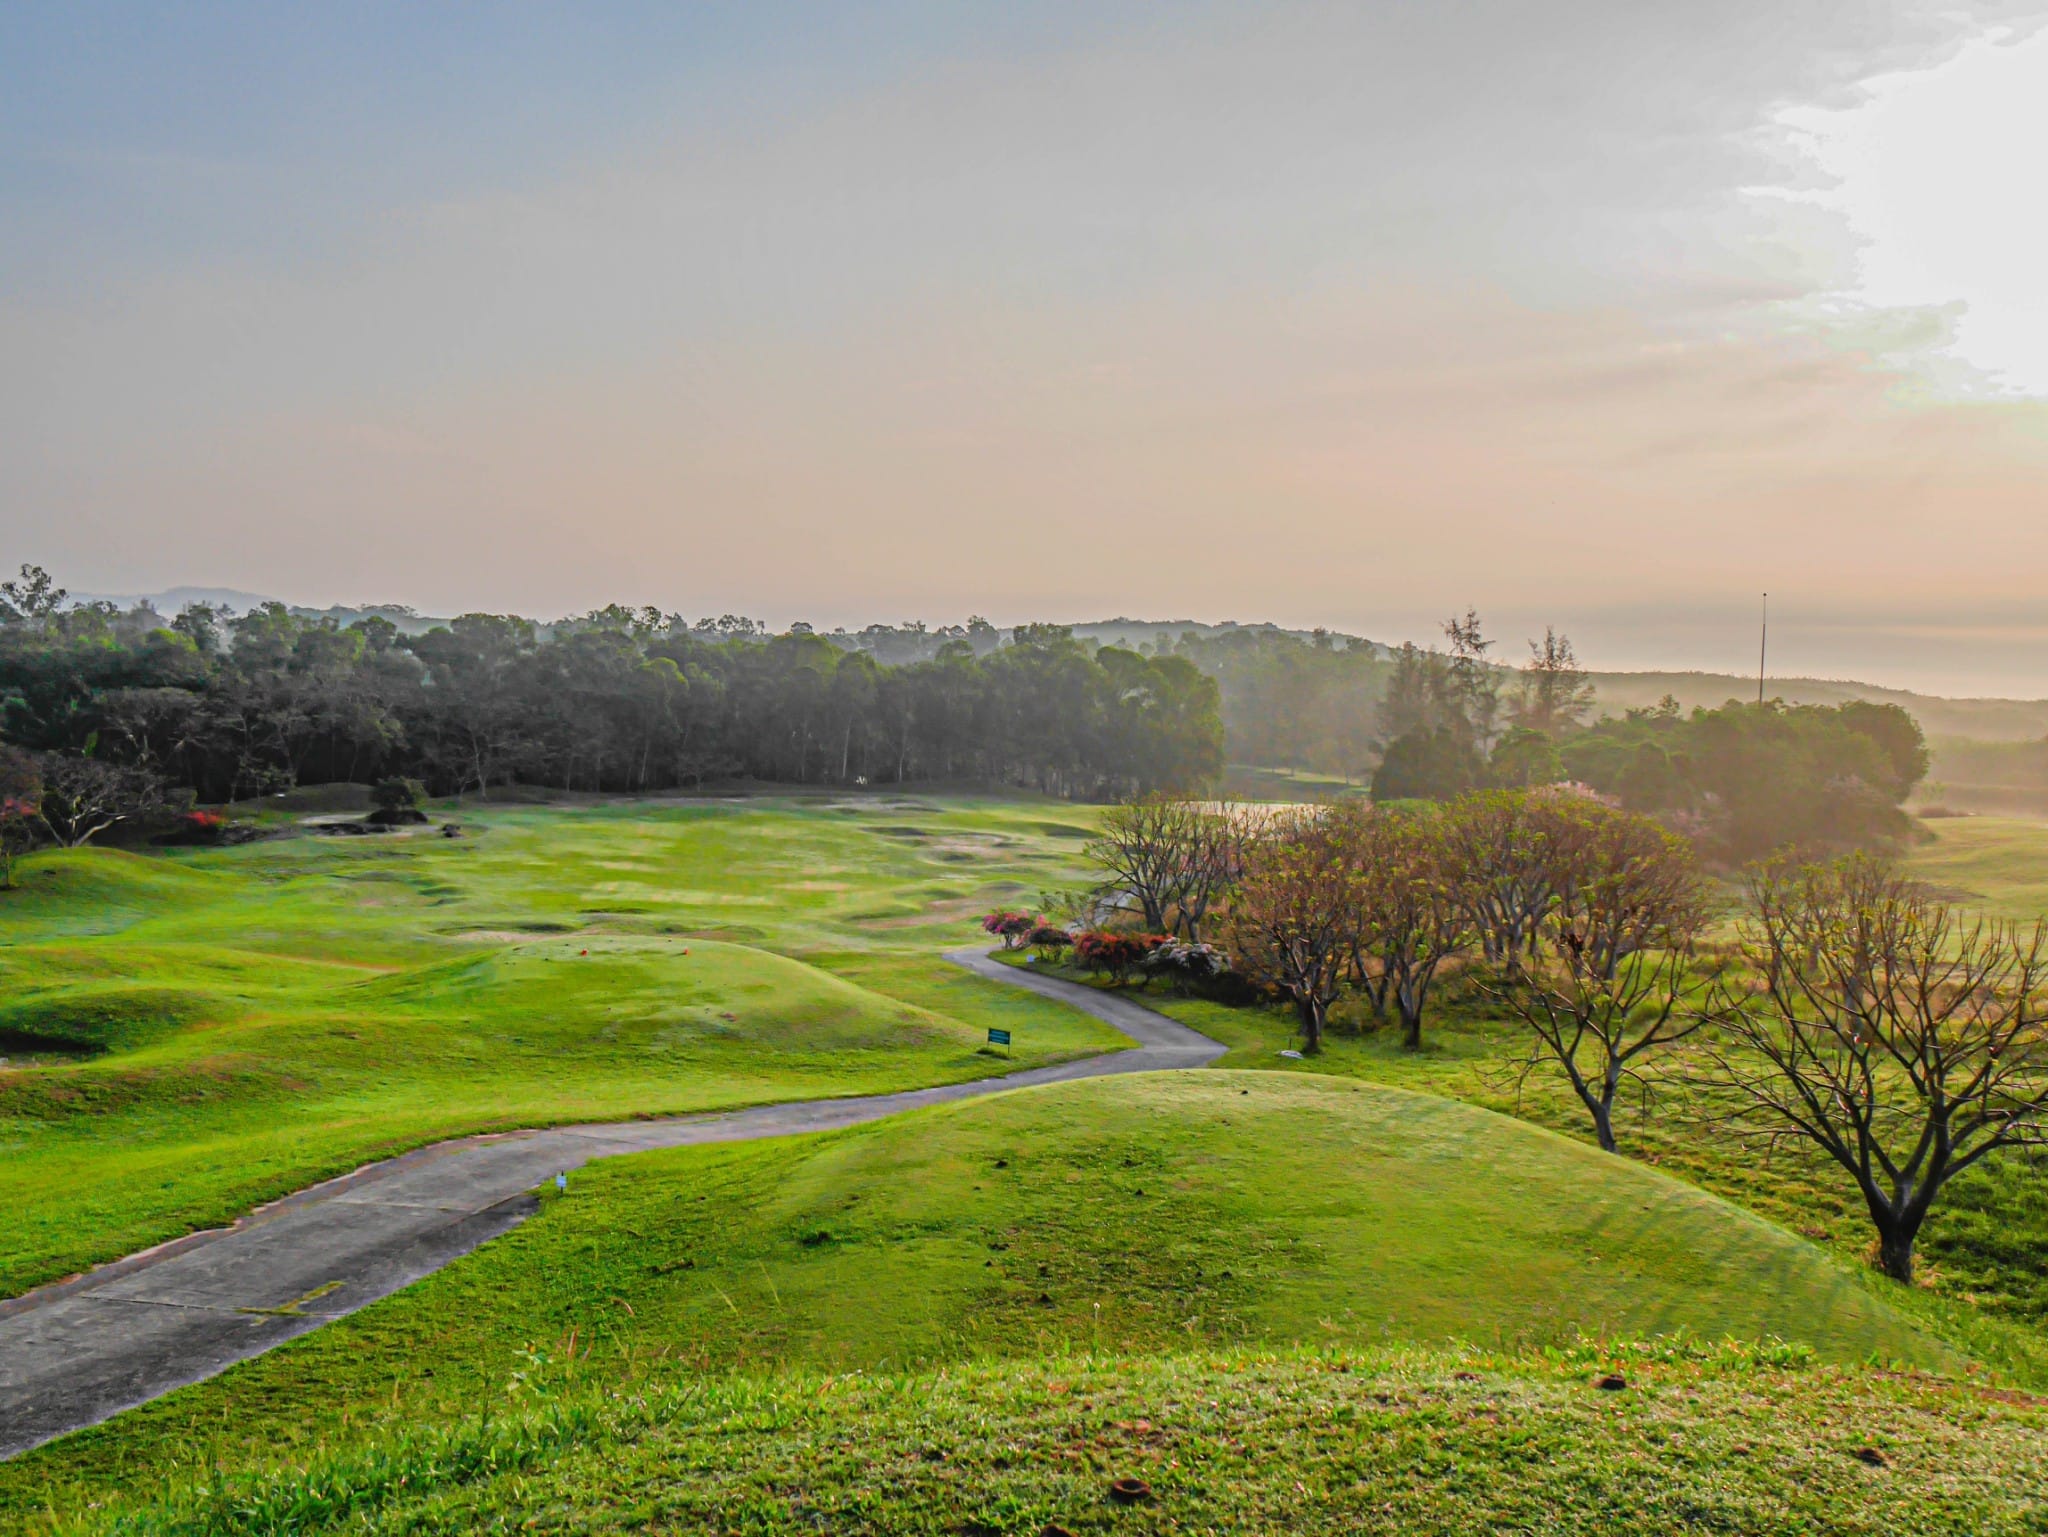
619	700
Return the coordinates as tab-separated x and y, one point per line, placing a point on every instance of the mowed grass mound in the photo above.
1159	1213
1334	1441
190	1034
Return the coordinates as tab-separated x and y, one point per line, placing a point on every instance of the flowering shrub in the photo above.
199	827
1011	926
1116	953
1197	963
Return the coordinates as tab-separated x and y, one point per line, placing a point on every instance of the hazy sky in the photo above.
1605	314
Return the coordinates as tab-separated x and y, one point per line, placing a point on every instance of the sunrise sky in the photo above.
1608	315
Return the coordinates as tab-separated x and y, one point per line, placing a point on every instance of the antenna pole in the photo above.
1763	648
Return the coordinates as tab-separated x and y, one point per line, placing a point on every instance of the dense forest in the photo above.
1740	780
230	706
227	706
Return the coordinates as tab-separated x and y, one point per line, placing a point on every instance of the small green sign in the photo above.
999	1037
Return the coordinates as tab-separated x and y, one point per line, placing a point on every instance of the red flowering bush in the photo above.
1113	952
1010	926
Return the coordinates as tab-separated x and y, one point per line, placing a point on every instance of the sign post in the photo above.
1000	1038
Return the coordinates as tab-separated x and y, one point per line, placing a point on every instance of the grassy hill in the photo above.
191	1034
1349	1298
1246	1213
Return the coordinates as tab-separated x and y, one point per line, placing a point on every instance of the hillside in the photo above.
1233	1215
213	1028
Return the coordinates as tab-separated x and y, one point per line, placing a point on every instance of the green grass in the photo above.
1336	1295
202	1031
1330	1441
1983	1257
1154	1214
1996	864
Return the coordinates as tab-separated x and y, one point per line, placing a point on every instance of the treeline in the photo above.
1746	779
230	706
1740	781
1854	1011
632	700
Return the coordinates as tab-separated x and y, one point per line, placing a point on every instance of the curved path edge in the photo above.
81	1351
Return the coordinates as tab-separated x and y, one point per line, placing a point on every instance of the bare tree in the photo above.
1598	1029
1143	851
1293	918
1506	845
1175	858
1883	1027
84	797
1616	981
1621	883
1415	915
1217	839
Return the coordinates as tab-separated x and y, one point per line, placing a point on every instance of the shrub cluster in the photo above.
1013	928
1115	953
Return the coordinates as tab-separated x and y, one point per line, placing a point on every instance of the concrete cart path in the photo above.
77	1352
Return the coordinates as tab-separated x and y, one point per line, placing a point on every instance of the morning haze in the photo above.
1343	316
975	769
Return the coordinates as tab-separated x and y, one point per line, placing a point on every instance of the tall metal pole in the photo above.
1762	649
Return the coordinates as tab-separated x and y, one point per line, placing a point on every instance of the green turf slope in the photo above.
1338	1441
192	1034
1157	1213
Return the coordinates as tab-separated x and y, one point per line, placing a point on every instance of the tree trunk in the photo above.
1311	1009
1897	1228
1411	1022
1603	1124
1895	1253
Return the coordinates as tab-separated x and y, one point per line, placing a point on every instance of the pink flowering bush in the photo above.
1011	927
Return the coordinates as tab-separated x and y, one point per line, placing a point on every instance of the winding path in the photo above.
80	1351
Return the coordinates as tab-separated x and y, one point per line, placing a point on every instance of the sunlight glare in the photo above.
1939	176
